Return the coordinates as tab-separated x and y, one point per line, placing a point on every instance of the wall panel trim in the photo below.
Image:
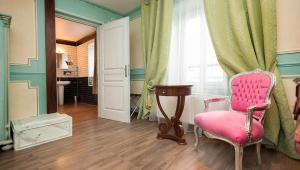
288	63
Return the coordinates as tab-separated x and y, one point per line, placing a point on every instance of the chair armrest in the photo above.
259	107
250	110
213	100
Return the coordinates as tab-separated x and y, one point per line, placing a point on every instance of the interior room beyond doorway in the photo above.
75	69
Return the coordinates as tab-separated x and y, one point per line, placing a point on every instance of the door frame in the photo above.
50	40
50	56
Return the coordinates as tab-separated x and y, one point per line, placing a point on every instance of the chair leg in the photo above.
238	157
258	146
196	132
196	128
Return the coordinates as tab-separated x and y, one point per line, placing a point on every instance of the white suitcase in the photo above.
37	130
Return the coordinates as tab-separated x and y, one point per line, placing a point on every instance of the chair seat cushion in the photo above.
229	124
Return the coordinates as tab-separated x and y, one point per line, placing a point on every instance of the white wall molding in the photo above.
288	51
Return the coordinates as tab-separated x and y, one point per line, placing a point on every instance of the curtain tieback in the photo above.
148	90
272	66
150	86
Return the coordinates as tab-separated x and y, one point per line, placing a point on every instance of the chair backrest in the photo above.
251	88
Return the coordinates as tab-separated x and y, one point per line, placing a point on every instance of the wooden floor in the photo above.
105	144
79	112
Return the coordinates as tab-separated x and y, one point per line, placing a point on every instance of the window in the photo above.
91	62
192	57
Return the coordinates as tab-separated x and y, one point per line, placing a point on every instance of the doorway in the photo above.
76	69
113	64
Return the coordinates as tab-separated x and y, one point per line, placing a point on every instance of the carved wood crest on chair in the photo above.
242	124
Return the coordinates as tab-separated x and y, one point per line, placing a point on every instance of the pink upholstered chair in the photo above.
242	125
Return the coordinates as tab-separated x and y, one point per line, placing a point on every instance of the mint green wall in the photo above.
137	74
134	13
85	10
289	63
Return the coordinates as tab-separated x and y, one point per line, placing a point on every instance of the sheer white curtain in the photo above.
192	61
192	58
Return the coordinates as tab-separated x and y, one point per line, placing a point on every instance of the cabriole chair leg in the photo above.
198	134
238	157
196	129
258	146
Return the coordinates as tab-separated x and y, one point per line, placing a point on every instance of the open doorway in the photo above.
76	67
112	46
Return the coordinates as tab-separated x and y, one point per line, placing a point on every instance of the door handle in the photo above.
125	70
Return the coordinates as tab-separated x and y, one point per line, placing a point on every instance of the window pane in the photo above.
192	57
91	55
91	62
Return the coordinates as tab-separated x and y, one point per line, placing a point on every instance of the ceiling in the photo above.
71	31
120	6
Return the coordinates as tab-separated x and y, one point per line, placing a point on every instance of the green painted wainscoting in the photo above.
289	63
137	74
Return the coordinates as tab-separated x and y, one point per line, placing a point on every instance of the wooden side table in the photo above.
165	128
297	116
297	103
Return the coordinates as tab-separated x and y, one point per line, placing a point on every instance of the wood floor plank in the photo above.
105	144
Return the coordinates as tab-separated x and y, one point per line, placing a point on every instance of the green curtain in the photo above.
156	34
244	35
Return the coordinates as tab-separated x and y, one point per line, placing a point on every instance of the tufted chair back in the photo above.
251	88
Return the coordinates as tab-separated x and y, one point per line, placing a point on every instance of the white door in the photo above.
114	79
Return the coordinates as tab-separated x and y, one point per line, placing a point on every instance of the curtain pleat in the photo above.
156	32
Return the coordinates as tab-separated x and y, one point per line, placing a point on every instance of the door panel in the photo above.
112	100
113	48
114	92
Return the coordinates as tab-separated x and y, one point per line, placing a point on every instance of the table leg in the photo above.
179	131
174	122
297	103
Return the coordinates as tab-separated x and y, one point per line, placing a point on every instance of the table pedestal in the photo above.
297	116
297	103
172	129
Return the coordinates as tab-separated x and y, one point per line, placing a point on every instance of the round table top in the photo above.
179	86
173	90
297	80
